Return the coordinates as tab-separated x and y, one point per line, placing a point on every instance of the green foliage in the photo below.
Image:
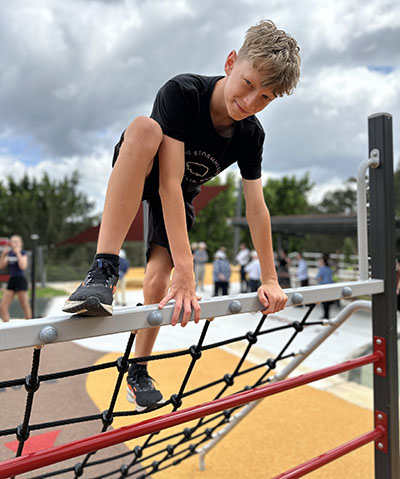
340	201
287	195
348	249
44	293
211	223
54	210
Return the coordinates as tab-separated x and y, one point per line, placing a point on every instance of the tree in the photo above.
287	195
211	223
52	209
340	201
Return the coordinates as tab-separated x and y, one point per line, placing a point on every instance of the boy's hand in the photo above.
182	289
272	297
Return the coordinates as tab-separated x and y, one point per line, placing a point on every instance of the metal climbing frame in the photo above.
384	324
386	433
383	305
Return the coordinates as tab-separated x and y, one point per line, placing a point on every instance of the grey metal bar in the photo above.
20	334
362	231
386	394
332	326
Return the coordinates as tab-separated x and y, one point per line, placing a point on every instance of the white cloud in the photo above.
74	74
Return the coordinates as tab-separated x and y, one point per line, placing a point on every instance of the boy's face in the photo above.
244	94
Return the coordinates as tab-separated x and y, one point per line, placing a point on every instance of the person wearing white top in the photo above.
243	257
302	270
253	270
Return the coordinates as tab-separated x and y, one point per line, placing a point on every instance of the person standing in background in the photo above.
200	260
221	273
283	269
17	261
243	257
302	270
253	270
324	276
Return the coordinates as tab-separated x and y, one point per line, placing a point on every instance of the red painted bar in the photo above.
28	462
326	457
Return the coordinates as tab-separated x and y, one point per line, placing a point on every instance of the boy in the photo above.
198	127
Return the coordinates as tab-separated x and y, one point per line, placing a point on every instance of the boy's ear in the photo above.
230	62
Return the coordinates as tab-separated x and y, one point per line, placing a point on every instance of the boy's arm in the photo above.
270	293
172	164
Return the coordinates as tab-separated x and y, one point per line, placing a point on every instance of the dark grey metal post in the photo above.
382	233
34	238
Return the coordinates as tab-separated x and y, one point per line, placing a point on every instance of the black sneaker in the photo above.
141	390
94	296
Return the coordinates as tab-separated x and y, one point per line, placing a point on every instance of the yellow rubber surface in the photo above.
281	432
134	276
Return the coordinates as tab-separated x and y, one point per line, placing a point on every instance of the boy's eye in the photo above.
248	82
266	98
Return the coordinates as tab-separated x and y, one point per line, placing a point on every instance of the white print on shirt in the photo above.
196	170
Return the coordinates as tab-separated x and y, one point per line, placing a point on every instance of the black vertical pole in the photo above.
382	240
34	238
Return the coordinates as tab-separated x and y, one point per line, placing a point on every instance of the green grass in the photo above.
45	293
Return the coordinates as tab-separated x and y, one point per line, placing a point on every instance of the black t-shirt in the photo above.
182	109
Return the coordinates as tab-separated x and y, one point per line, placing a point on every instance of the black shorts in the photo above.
17	283
157	233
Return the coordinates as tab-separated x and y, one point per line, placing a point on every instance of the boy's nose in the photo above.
250	102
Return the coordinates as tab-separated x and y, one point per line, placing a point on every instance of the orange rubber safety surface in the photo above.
283	431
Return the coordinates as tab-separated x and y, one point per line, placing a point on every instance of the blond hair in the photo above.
275	54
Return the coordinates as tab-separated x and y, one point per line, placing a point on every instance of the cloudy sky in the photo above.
74	73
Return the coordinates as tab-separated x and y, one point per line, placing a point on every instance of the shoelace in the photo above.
142	378
102	272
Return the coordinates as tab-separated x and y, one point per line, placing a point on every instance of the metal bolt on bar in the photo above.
21	334
362	230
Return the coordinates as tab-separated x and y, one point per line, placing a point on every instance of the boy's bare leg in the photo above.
155	286
5	304
142	139
94	296
24	301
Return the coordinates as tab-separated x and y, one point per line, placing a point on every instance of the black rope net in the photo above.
154	454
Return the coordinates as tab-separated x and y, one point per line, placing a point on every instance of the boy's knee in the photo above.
147	130
157	284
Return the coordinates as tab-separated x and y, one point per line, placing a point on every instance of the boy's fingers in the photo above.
196	308
186	312
177	310
165	300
